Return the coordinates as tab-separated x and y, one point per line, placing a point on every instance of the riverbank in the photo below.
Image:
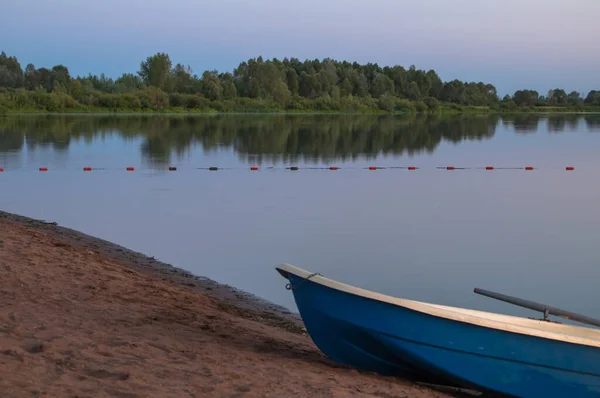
456	110
80	316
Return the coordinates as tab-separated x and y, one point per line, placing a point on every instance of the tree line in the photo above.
259	85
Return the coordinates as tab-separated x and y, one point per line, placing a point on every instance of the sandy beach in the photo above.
82	317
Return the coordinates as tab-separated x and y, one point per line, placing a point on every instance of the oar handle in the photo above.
545	309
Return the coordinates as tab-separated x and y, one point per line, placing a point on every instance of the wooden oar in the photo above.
545	309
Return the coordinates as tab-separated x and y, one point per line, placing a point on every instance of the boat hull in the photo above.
391	339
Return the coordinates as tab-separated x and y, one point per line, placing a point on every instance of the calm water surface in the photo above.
429	234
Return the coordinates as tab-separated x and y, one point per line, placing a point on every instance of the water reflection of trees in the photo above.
554	123
561	123
593	122
522	123
312	138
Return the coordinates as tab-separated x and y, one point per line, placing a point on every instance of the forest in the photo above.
264	86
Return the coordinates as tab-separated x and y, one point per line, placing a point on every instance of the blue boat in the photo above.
478	350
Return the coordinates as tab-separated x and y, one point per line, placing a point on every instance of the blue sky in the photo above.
513	44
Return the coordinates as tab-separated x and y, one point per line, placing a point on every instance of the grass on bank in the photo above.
152	100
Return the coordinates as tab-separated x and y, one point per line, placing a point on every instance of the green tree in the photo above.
182	79
360	84
45	79
281	94
60	76
455	92
309	85
525	97
75	88
11	74
156	71
7	77
436	84
292	81
229	88
432	103
382	84
387	102
557	97
593	98
399	77
346	88
211	86
574	98
128	82
32	77
412	91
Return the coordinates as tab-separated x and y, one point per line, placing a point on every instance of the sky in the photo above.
513	44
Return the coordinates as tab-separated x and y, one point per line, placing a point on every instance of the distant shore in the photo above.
441	112
83	316
259	85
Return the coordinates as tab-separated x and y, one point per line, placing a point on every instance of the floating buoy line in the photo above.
294	168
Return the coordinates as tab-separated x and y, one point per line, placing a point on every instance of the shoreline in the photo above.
228	295
82	316
440	112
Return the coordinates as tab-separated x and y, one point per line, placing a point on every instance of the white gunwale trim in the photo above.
560	332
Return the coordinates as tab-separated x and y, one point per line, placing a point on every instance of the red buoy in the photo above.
570	168
43	169
334	168
529	168
372	168
87	169
450	168
489	167
1	169
172	168
130	169
412	168
254	168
